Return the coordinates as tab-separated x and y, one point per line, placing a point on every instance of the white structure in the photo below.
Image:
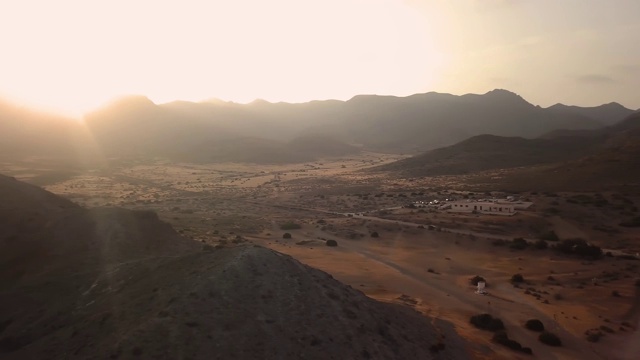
485	207
481	290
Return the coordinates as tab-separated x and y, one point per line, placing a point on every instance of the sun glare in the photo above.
71	56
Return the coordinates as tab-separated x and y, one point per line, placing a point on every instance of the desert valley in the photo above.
173	222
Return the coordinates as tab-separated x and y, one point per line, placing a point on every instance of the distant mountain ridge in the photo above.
135	126
610	154
607	114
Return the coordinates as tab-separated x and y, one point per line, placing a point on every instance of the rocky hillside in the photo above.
486	152
113	283
611	147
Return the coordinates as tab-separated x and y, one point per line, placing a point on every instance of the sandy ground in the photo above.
397	264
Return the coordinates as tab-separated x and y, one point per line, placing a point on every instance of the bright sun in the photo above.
72	56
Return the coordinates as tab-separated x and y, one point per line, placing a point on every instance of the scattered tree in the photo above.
487	322
290	226
519	244
550	339
534	325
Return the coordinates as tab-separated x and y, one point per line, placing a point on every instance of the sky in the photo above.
71	56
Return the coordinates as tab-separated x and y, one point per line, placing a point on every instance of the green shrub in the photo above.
290	226
519	244
487	322
550	339
550	236
501	337
499	242
579	247
534	325
540	244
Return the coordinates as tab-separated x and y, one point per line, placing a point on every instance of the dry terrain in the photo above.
404	262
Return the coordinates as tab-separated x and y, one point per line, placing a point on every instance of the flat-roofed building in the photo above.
485	207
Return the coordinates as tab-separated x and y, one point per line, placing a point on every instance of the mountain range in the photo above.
281	132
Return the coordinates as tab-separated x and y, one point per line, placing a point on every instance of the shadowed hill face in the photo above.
612	162
488	152
113	283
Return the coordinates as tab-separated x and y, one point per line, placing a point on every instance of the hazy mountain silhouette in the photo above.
596	155
606	114
216	130
388	123
74	280
25	132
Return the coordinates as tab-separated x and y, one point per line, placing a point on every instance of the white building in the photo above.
485	207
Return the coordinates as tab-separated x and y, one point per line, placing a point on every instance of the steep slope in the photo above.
112	283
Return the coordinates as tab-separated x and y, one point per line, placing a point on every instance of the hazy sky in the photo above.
74	55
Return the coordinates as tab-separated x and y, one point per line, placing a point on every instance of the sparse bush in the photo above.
499	242
550	339
487	322
615	293
607	329
519	244
375	234
501	337
534	325
331	243
594	336
286	236
540	244
550	236
517	278
579	247
290	226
